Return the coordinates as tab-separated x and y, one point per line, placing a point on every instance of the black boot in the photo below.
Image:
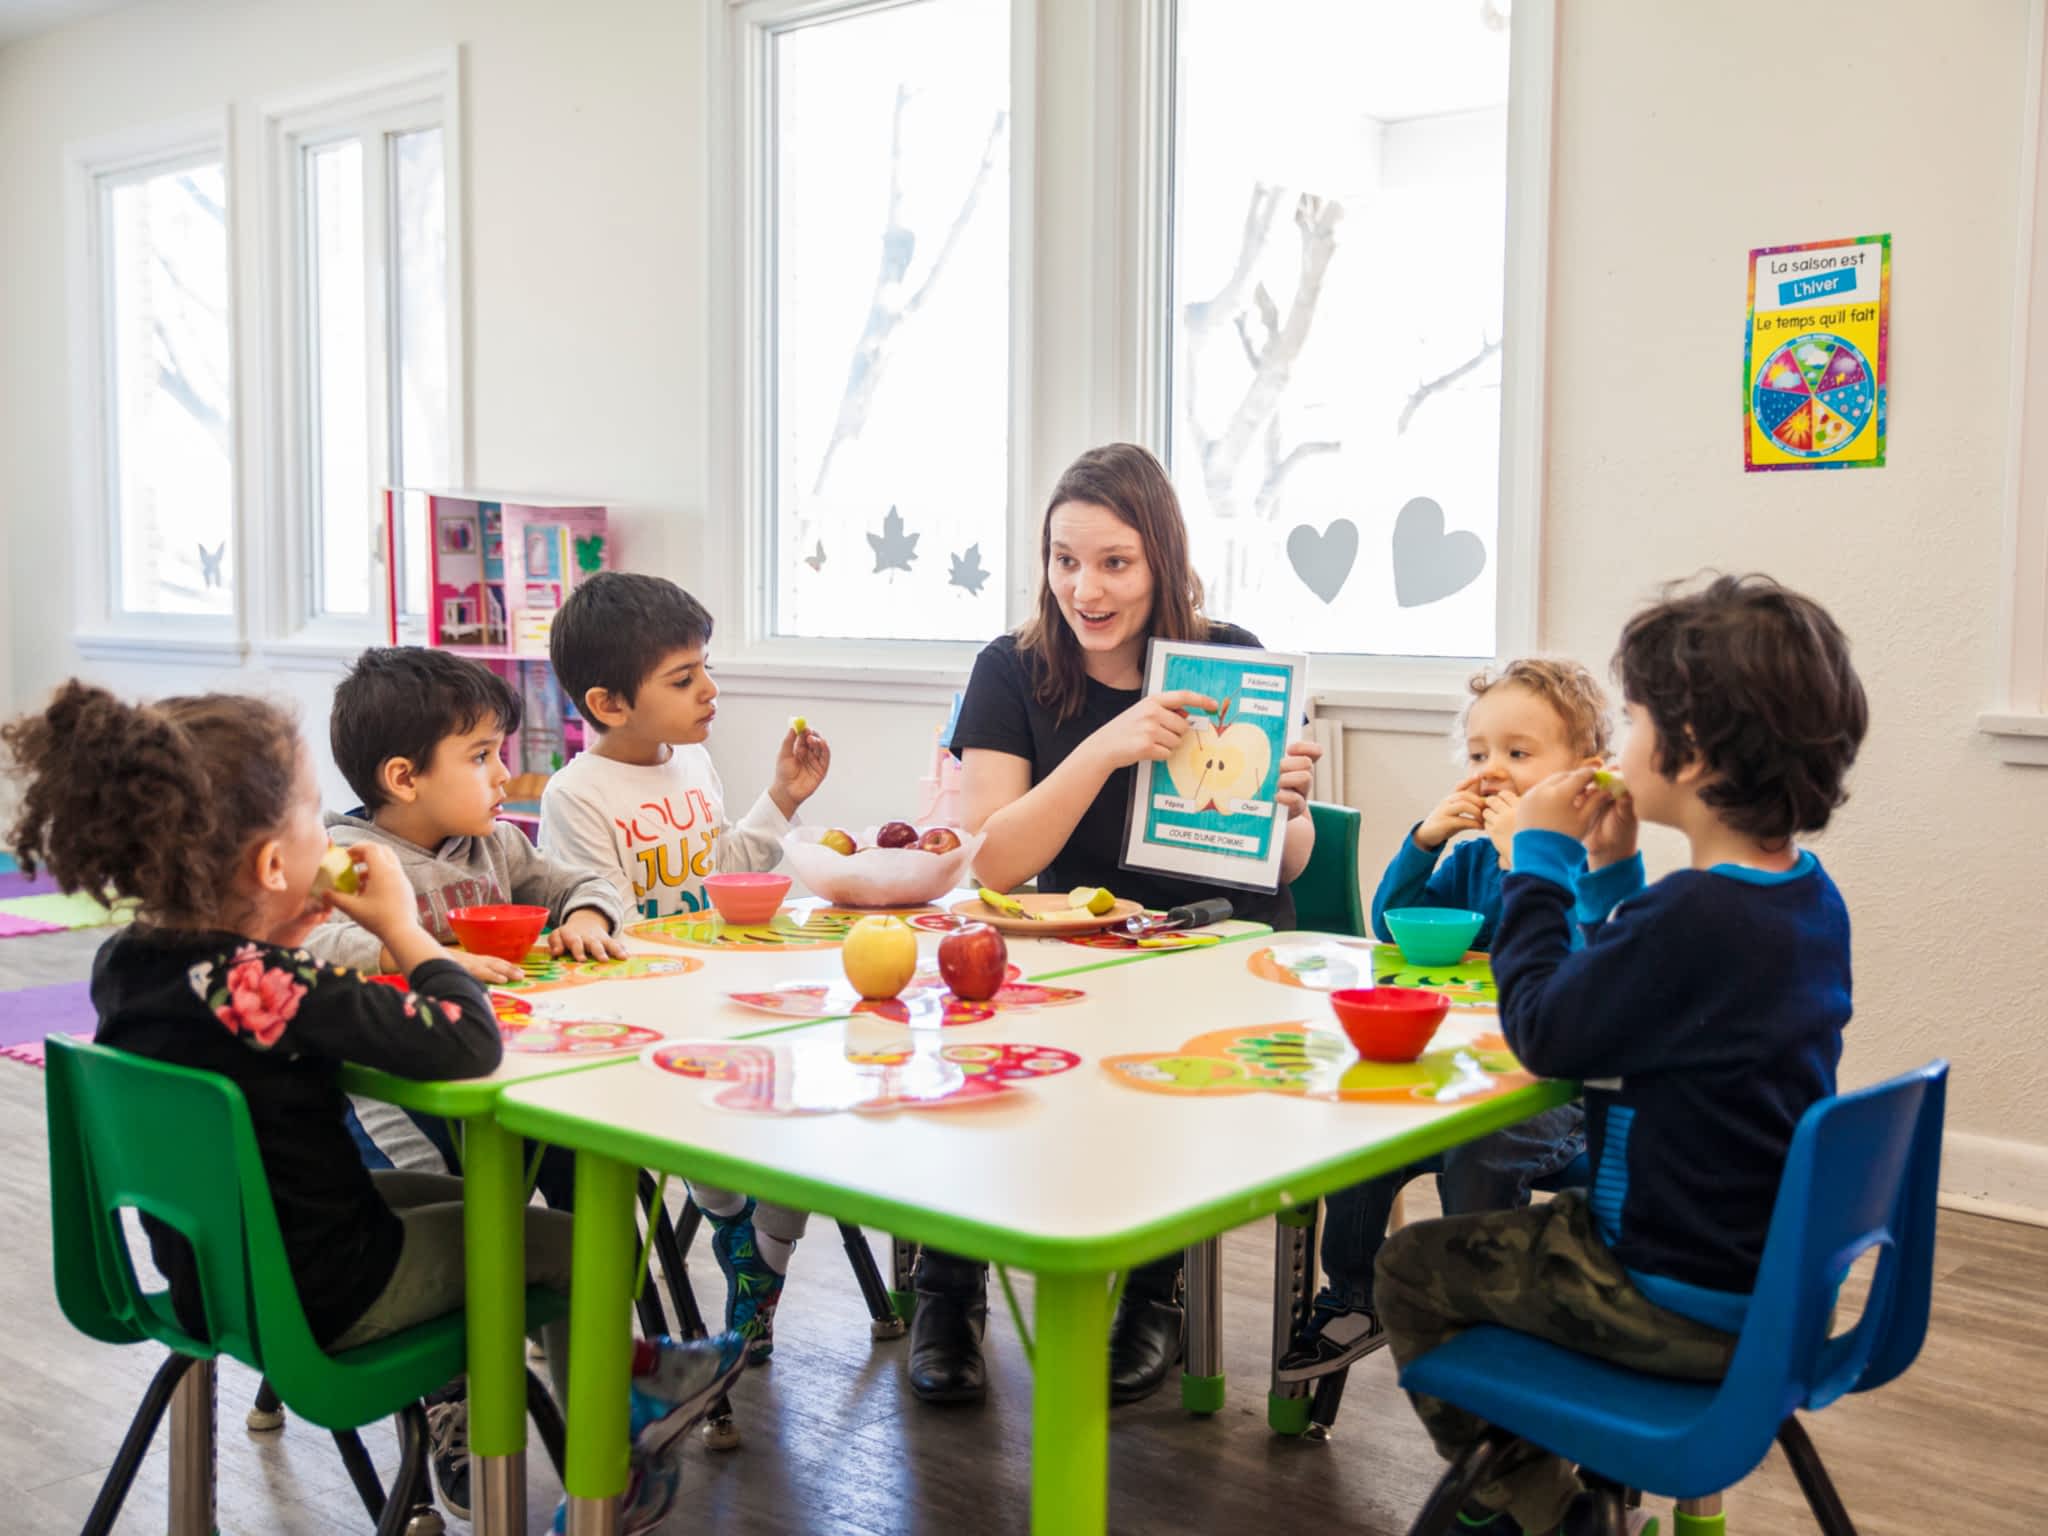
1145	1341
945	1347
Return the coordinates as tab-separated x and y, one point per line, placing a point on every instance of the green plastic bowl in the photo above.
1433	935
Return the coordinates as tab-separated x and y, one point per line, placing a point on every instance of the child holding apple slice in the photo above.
645	806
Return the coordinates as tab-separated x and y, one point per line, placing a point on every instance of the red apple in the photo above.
939	840
838	841
973	960
896	834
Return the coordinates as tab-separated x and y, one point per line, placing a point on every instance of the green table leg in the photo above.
1070	1407
600	1343
494	1245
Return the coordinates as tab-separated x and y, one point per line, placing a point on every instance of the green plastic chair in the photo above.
1326	894
127	1133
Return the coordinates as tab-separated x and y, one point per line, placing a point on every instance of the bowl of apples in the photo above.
893	865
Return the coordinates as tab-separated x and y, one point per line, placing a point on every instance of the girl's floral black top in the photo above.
279	1024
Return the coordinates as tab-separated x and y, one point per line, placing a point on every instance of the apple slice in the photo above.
336	871
1610	781
1092	899
798	725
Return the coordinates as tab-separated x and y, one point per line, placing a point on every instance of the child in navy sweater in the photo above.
1532	718
1704	1015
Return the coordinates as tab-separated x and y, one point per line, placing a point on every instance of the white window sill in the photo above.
303	654
161	647
2018	738
1400	711
818	684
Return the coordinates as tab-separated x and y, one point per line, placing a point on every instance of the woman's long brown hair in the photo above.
1132	484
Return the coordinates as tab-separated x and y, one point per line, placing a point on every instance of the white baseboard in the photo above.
1995	1177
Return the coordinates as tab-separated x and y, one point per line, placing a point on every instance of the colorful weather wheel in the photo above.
1813	396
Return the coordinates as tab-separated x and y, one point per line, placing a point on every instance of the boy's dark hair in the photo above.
400	701
1754	682
614	631
155	802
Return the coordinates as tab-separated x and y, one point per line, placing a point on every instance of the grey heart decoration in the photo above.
1429	564
1323	560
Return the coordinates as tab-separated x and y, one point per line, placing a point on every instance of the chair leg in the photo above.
670	1246
409	1483
361	1471
135	1444
1610	1503
883	1323
1820	1493
1458	1481
547	1418
1699	1517
266	1414
902	1273
1294	1291
1322	1409
193	1406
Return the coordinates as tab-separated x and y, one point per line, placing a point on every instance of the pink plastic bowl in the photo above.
1389	1023
505	932
748	899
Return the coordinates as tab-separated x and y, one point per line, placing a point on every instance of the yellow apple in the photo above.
879	956
336	871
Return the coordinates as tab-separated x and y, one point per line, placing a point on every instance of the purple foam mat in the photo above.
33	1012
14	883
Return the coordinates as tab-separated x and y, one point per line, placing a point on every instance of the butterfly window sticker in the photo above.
1210	811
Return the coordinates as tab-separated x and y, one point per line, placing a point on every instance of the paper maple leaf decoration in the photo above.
967	571
894	549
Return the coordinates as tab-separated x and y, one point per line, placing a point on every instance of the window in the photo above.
1297	250
887	190
368	336
166	394
1338	223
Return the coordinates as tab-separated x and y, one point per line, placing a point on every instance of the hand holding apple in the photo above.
800	766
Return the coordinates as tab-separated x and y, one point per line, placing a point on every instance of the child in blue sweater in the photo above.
1704	1015
1533	718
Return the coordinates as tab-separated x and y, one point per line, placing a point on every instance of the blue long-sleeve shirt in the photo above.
1703	1017
1470	880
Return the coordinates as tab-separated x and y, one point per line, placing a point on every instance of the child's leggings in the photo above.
428	1281
1543	1271
775	1220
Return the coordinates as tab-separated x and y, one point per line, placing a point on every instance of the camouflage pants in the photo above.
1543	1271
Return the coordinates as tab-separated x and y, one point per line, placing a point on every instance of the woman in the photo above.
1050	731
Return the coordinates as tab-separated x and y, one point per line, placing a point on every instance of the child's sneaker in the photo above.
448	1450
1334	1338
752	1286
687	1379
650	1490
1475	1521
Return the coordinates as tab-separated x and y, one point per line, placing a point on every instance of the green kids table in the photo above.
1221	1092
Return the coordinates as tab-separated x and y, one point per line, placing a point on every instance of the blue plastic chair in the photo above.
1862	1174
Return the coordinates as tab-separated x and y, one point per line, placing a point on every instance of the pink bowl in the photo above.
749	899
505	931
1389	1023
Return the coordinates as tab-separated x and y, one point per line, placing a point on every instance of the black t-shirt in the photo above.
278	1024
1001	713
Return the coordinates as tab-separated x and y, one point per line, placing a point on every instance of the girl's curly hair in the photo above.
153	802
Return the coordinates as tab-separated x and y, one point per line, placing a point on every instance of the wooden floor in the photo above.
834	1443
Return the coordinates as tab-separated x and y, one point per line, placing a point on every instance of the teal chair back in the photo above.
1327	898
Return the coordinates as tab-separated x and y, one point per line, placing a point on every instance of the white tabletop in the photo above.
1065	1171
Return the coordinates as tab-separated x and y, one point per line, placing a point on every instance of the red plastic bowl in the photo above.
393	979
1389	1023
506	932
747	898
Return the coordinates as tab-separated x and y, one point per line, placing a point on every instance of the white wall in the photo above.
1685	137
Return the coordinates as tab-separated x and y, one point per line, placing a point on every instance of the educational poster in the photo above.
1813	358
1208	812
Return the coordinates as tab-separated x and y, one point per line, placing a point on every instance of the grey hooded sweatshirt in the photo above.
462	872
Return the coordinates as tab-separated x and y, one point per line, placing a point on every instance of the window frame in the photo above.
1091	186
102	627
2017	722
404	97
